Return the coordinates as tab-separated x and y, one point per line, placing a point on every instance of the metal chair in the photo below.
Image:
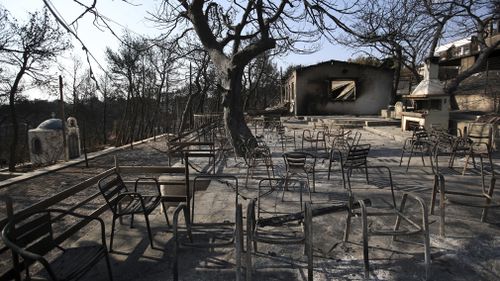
284	138
356	158
122	202
480	135
341	142
32	236
404	224
418	142
460	146
339	138
484	198
300	164
258	154
266	206
314	139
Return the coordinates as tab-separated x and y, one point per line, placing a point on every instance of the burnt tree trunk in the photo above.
13	115
15	131
234	120
397	74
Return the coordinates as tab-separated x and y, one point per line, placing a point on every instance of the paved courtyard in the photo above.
469	251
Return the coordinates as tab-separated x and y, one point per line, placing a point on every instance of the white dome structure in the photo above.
46	141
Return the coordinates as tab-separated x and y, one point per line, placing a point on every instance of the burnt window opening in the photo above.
343	90
36	146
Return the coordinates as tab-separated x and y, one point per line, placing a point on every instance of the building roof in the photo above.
51	124
301	68
458	43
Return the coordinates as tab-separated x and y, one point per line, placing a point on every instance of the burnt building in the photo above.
337	87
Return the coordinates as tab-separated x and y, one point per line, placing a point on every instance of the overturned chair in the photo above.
404	224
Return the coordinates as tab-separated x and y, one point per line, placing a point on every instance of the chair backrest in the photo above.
268	202
260	141
111	186
30	234
480	132
258	150
281	129
355	139
295	159
357	155
420	133
340	139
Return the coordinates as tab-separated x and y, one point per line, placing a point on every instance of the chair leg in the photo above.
329	168
467	161
442	206
112	234
248	256
149	230
401	158
482	172
343	176
491	163
246	178
347	230
427	244
398	217
366	172
314	181
108	266
165	213
409	157
285	186
484	213
364	222
309	241
238	236
422	155
452	159
309	187
434	192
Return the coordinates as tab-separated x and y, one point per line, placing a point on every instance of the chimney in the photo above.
431	68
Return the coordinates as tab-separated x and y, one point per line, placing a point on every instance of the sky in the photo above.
132	17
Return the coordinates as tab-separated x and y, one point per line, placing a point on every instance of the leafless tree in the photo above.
126	66
33	46
261	82
474	20
235	32
199	64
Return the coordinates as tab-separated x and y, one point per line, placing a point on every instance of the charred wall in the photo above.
313	96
